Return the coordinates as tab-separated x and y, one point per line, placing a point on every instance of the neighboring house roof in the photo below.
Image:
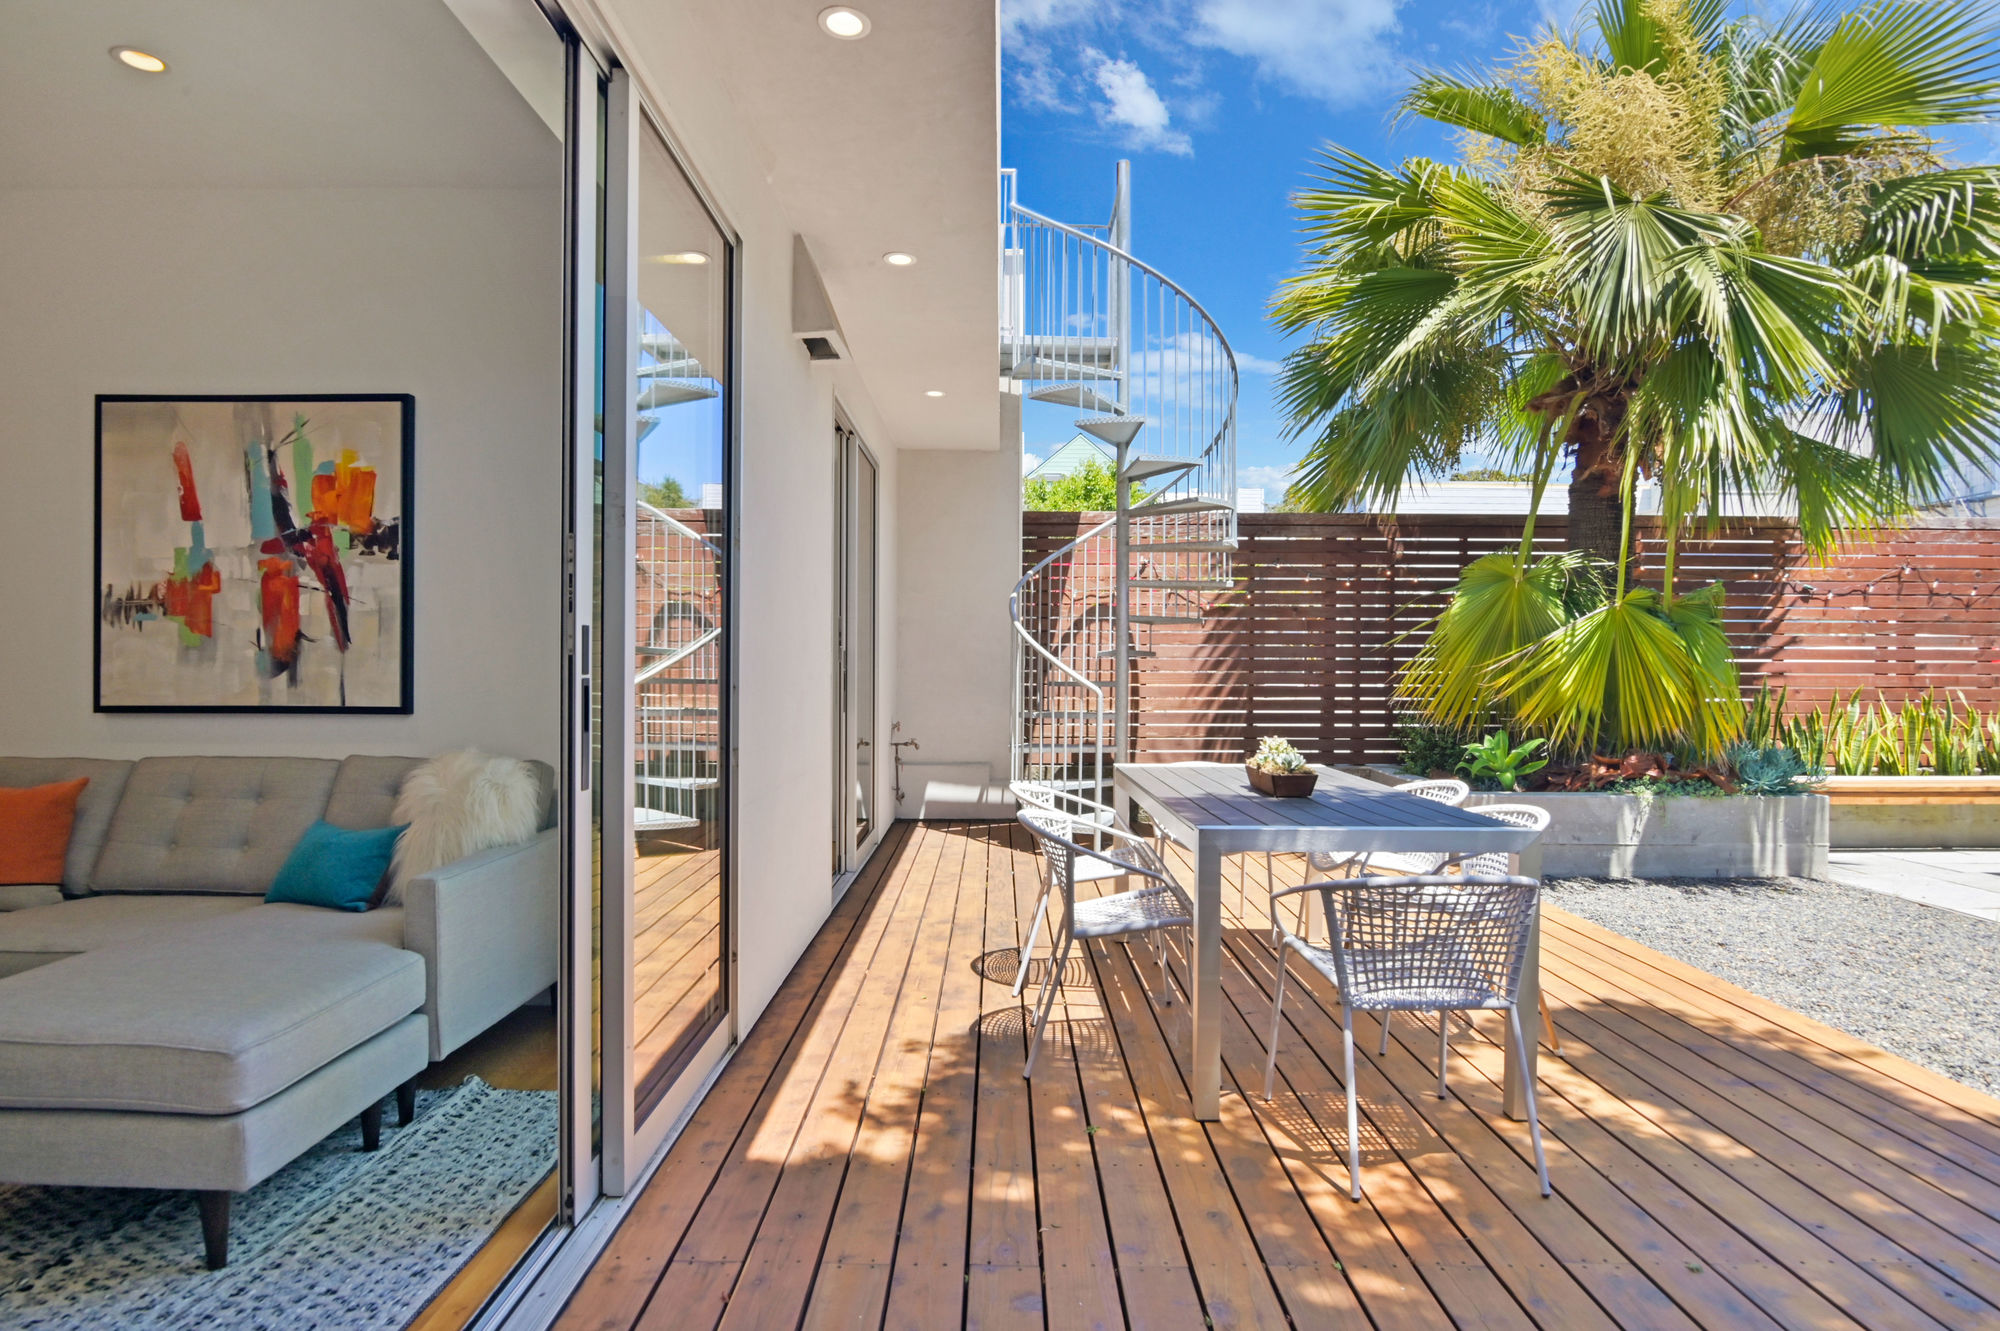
1505	497
1072	455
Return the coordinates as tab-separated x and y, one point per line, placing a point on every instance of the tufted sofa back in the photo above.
221	825
93	808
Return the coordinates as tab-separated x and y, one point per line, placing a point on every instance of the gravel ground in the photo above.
1916	980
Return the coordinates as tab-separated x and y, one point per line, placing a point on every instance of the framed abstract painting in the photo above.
253	553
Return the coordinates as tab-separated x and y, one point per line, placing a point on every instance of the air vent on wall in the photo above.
813	320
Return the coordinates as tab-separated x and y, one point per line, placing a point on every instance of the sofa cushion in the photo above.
208	1019
21	896
36	936
211	824
93	808
365	790
364	794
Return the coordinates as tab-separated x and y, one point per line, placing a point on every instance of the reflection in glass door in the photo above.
856	817
665	764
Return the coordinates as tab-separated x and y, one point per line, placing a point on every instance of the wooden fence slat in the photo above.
1305	642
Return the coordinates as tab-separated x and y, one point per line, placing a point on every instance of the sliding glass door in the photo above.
857	783
665	556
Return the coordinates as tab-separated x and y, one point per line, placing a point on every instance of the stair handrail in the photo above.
1168	282
1023	637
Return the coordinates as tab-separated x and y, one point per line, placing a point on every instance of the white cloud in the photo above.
1274	481
1336	50
1029	462
1027	15
1132	105
1249	364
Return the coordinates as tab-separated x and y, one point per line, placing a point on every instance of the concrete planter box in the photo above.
1672	836
1909	812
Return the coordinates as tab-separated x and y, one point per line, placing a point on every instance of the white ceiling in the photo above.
261	92
888	143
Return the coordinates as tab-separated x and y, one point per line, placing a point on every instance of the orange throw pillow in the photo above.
34	830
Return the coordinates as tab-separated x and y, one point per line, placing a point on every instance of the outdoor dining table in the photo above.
1211	810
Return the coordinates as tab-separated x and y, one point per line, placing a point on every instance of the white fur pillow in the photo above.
458	804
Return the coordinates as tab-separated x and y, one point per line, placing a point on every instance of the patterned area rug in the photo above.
338	1239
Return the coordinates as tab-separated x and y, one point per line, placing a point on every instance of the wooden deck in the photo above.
872	1156
676	951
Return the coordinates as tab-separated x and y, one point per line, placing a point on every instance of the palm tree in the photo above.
1724	241
1720	253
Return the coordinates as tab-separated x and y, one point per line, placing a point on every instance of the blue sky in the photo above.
1220	106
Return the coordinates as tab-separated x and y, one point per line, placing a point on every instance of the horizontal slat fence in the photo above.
1306	644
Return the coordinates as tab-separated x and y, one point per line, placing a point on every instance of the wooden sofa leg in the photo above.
214	1227
406	1104
371	1127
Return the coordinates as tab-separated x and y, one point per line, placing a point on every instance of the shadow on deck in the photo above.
872	1156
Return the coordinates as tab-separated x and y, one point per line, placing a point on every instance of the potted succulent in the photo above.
1279	769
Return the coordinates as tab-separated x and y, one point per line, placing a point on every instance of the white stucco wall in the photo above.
453	295
959	524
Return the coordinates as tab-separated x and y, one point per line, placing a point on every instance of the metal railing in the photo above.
678	674
1086	324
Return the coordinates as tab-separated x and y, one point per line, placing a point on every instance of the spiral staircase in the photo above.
1085	324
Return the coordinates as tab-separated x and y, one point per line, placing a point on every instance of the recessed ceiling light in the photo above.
143	61
898	259
844	23
682	256
933	392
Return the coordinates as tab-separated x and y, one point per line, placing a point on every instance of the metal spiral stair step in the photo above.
1075	395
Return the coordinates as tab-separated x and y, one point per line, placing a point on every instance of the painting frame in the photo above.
405	457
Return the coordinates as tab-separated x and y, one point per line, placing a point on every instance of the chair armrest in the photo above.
486	927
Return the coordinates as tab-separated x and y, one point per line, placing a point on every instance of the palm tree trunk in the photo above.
1596	520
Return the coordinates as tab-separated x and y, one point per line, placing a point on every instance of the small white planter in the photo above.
1597	835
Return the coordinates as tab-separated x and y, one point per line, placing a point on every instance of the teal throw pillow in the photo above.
335	867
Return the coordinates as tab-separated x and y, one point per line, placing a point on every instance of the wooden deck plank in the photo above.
872	1156
852	1287
1783	1174
1003	1278
927	1285
783	1255
625	1277
1902	1182
1832	1094
711	1252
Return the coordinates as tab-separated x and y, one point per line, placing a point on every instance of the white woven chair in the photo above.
1416	943
1158	905
1083	818
1444	791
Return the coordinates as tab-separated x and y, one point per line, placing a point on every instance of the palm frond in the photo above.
1936	213
1491	109
1500	606
1896	63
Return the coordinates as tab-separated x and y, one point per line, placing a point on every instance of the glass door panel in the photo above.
667	544
856	817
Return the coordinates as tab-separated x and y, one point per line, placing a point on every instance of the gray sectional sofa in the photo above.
162	1027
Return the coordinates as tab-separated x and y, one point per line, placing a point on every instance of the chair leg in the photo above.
214	1208
1277	1021
1444	1050
1549	1027
371	1127
1382	1049
406	1104
1048	996
1028	951
1353	1107
1165	998
1528	1096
